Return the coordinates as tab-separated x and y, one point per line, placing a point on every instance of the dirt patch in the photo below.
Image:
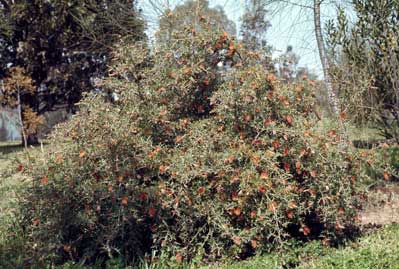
383	208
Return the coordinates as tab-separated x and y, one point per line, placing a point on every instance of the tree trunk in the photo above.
332	98
27	139
32	140
23	134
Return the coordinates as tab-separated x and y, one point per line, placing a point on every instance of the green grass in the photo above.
376	251
363	133
8	149
11	180
11	183
290	257
353	133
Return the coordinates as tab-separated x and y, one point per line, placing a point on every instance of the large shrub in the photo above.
204	154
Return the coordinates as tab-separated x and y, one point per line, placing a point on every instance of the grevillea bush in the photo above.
382	163
204	154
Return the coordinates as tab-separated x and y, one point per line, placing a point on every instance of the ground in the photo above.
384	209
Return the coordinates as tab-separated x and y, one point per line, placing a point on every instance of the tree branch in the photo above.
5	5
289	3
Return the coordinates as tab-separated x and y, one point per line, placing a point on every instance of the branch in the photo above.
5	5
289	3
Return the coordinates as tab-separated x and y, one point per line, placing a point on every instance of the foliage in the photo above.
368	50
15	86
288	64
305	72
192	13
195	159
356	91
292	256
254	26
61	46
12	241
383	162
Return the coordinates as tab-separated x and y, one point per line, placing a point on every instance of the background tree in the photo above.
254	26
367	56
315	9
15	86
288	64
304	71
325	62
191	13
62	46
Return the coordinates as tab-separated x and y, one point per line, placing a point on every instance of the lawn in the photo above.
11	182
377	250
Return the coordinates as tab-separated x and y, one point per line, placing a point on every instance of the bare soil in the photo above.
383	208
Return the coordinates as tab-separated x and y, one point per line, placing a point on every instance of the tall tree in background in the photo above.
61	46
315	9
190	13
254	26
288	63
325	63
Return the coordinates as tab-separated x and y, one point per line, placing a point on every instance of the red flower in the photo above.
44	180
20	168
125	201
287	167
151	212
201	190
306	230
143	196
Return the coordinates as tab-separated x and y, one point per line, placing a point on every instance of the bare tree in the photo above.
315	9
333	100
